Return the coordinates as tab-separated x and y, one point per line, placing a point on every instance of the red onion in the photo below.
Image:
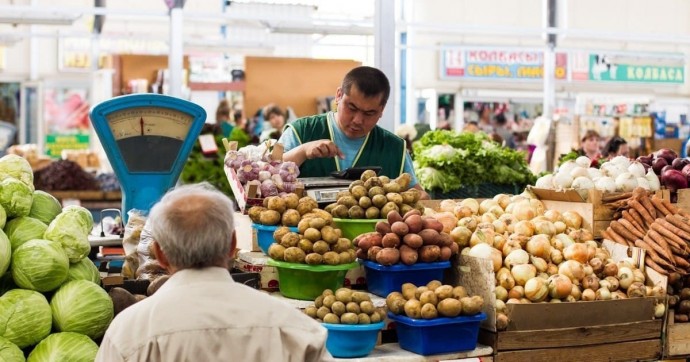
667	154
674	180
658	164
679	163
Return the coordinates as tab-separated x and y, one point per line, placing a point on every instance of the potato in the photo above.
306	207
400	228
393	295
367	307
433	285
329	235
373	182
408	256
254	213
318	302
310	311
321	247
342	245
390	240
349	318
276	252
413	222
378	200
338	308
331	318
431	223
429	253
294	255
391	187
471	305
312	234
372	212
413	309
356	212
303	225
291	200
383	227
362	254
276	203
388	207
445	239
269	217
374	191
353	254
358	192
290	217
345	257
323	214
446	253
280	232
329	207
410	213
388	256
449	307
372	252
418	292
459	292
404	180
367	174
122	299
413	241
429	236
344	193
443	292
375	318
306	245
397	306
331	258
408	197
317	223
405	208
328	300
353	307
429	311
347	201
340	211
322	312
409	290
393	217
428	297
395	198
363	318
359	297
327	292
290	239
365	202
385	179
366	241
344	295
313	259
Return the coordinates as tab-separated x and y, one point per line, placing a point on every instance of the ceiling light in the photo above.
38	18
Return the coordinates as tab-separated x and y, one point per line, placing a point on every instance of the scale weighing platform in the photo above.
324	189
147	138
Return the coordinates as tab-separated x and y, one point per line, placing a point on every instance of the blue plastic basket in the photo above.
438	335
351	340
382	280
264	235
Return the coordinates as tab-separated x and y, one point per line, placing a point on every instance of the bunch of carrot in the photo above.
658	227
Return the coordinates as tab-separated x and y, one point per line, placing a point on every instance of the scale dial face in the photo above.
149	138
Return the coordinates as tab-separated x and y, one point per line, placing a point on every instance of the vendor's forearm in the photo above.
296	155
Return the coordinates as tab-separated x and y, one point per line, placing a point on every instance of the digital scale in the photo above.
147	138
324	189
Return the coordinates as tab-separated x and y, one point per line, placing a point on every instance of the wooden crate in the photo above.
676	338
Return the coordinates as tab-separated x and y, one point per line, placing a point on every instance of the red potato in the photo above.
393	216
414	223
413	240
383	227
431	223
412	212
390	240
454	248
400	228
408	255
371	253
388	256
446	253
445	240
430	236
429	253
362	254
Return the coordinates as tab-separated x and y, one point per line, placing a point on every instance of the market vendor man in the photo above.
350	137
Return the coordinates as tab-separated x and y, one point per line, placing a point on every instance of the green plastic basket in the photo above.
353	228
306	282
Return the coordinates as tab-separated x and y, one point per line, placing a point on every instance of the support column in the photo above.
175	57
384	57
550	11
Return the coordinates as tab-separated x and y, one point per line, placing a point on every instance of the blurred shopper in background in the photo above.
276	120
589	145
616	146
504	130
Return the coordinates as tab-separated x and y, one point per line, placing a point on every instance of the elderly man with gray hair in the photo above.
200	314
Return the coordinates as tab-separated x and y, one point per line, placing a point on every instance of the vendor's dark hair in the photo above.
370	81
613	145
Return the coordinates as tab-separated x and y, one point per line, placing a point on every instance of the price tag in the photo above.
208	144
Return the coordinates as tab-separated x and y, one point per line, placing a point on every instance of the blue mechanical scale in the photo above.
147	138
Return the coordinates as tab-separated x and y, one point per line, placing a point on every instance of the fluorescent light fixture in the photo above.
37	18
323	30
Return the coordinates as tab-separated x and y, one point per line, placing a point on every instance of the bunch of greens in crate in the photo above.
449	160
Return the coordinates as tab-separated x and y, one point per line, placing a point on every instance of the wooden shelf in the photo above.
87	195
221	87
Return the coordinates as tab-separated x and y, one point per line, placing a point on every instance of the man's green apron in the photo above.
380	148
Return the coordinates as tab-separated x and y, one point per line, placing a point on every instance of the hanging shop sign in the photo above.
488	63
66	114
74	54
603	67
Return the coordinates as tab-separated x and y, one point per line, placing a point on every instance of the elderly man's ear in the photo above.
233	246
160	255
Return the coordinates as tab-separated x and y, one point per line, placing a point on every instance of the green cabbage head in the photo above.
17	167
45	207
65	346
84	269
25	317
10	352
15	197
69	230
81	306
23	229
39	265
84	214
5	253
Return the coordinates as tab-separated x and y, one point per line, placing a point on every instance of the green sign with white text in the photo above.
55	143
606	69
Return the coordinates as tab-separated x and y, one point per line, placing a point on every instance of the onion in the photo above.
545	228
500	303
635	290
512	301
570	299
588	269
447	205
486	251
499	226
602	294
559	286
536	290
594	173
597	265
472	204
572	219
516	257
636	169
465	251
611	270
561	241
614	283
524	227
674	180
461	235
505	279
499	241
522	273
583	161
562	181
668	154
525	301
468	222
495	210
545	182
625	277
485	205
482	236
521	239
539	246
583	185
579	172
488	217
540	264
523	210
618	295
626	182
576	293
555	301
552	215
560	226
509	246
556	256
581	235
590	282
606	184
572	269
643	183
551	269
659	310
577	252
462	211
621	161
638	276
611	170
588	295
538	206
654	184
503	200
517	292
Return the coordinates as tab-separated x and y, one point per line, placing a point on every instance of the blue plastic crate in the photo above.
438	335
350	341
382	280
264	235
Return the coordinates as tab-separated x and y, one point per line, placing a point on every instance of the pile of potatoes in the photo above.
373	197
345	306
407	239
285	210
316	242
433	300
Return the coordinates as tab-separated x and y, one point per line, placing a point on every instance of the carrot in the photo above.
616	197
681	262
671	207
676	230
648	206
660	206
606	235
629	219
652	254
638	218
631	228
680	222
648	219
656	239
650	263
622	231
617	238
668	233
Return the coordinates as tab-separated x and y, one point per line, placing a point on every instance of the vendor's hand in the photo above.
322	149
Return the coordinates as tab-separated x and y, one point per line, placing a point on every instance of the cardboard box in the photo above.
246	235
140	286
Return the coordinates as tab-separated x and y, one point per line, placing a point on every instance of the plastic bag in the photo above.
130	242
145	244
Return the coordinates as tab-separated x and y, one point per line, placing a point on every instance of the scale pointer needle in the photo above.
141	124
